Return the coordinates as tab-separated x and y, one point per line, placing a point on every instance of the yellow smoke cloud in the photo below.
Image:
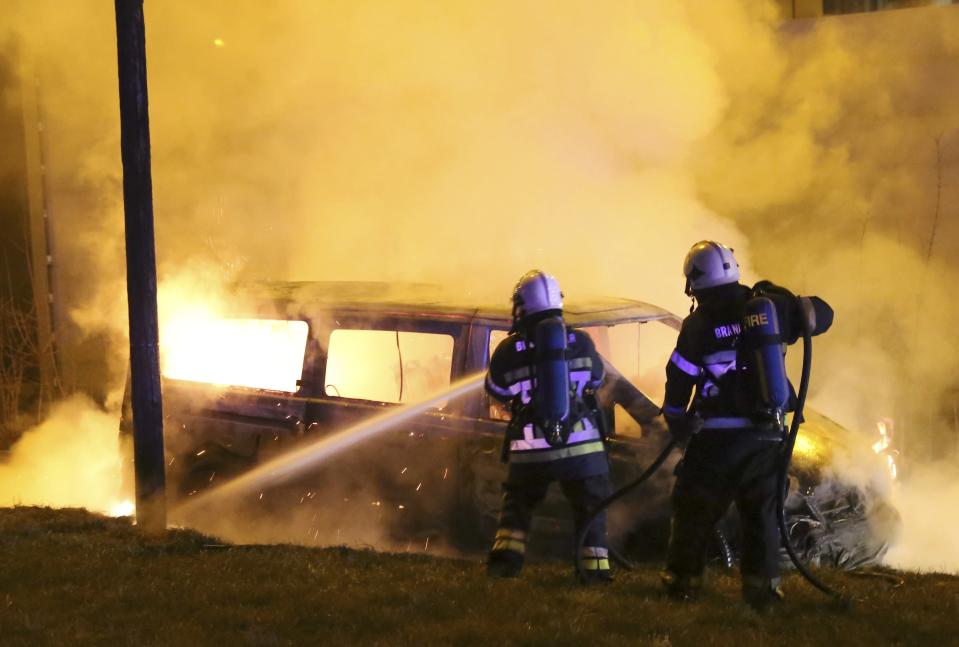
69	460
463	144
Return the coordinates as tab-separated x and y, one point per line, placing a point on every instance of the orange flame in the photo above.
883	446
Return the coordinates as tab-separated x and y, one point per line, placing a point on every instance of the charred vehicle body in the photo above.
291	361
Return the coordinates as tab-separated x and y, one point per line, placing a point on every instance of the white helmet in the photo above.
709	264
536	291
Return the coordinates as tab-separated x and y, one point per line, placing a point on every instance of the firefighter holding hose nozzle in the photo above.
547	374
730	350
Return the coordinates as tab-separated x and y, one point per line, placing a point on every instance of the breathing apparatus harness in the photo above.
788	444
551	406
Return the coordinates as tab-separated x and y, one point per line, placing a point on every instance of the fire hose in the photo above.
783	483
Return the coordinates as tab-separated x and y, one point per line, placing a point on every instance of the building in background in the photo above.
817	8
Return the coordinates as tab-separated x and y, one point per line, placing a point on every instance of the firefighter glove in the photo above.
683	427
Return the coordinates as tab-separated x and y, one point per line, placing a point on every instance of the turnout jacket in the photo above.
705	354
511	380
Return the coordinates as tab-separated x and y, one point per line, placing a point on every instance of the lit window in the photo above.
639	351
497	411
386	365
253	353
495	337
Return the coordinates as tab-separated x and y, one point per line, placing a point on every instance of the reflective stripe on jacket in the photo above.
511	379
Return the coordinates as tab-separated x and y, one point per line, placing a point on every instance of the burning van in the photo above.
283	363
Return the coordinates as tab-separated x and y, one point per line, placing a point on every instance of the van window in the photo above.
639	351
253	353
497	411
495	337
387	365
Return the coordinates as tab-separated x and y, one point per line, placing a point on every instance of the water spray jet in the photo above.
295	463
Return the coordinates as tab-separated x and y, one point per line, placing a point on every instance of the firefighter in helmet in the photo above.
732	438
547	374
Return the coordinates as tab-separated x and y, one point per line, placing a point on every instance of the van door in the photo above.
367	367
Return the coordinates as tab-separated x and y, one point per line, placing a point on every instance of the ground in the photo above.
68	577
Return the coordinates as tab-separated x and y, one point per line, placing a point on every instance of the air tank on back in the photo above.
551	395
762	359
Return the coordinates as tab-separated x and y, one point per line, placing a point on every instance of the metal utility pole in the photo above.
141	268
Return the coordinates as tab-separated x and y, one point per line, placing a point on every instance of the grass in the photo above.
68	577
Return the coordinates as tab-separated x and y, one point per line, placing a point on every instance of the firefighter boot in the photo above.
762	594
683	588
504	563
508	553
595	566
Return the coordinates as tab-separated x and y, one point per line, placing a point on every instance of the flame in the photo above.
199	342
199	346
891	466
884	438
125	508
884	448
805	447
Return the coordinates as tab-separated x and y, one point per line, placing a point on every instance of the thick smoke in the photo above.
837	158
928	535
70	460
369	142
838	161
428	145
464	145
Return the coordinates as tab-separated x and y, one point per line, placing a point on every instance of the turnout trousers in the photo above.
722	466
524	489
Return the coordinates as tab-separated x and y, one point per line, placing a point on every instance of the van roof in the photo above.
426	301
